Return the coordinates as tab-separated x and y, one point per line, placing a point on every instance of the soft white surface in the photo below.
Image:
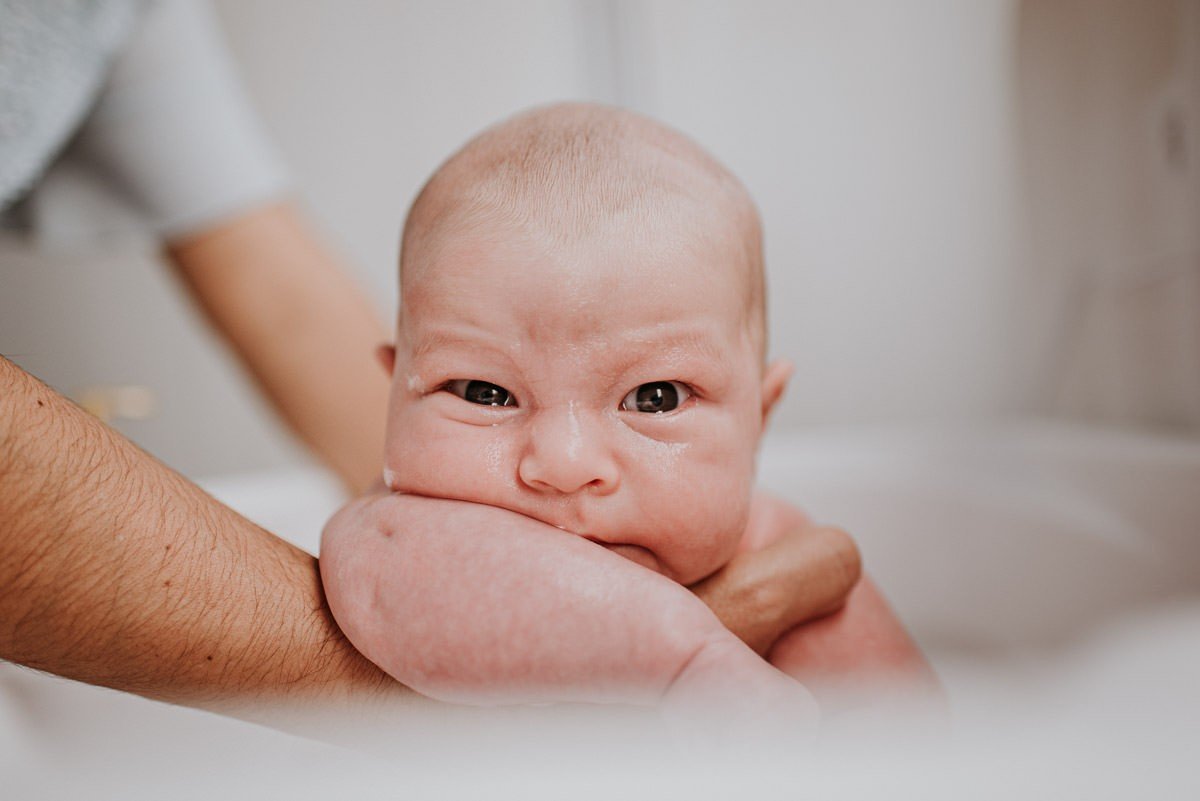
1011	535
1052	573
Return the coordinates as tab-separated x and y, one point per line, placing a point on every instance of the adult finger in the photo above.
805	574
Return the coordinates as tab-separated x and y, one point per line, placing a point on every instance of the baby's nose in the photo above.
567	452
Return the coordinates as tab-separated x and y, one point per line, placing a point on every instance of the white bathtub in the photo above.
1051	572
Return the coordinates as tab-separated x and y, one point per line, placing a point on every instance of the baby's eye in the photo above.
481	392
656	397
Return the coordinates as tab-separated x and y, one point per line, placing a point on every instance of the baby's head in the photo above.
581	336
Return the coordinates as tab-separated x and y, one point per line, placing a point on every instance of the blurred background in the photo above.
983	244
974	211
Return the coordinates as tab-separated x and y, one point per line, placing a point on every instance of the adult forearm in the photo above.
301	326
116	571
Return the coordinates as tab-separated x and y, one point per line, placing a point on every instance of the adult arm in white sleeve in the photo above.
175	131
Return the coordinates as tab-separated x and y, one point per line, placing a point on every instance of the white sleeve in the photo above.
174	130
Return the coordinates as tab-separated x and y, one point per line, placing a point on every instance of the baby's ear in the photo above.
775	380
386	354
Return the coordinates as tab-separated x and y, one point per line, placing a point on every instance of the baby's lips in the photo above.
636	554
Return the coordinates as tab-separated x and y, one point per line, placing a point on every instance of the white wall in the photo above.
366	98
878	139
1110	127
888	145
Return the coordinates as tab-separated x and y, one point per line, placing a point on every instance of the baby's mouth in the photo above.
636	554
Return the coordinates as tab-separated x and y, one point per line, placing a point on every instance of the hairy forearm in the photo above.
302	328
116	571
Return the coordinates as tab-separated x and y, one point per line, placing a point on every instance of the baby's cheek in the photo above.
449	460
700	520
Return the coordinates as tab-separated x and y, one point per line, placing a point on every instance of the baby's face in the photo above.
610	386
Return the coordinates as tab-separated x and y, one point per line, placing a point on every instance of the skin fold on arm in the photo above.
470	619
509	610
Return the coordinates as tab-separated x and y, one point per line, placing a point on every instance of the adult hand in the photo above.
789	571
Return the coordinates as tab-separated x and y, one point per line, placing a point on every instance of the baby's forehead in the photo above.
565	283
600	310
635	258
585	178
625	259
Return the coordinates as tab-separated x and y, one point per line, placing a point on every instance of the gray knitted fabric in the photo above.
54	55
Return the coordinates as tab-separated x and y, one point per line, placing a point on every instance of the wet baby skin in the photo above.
579	342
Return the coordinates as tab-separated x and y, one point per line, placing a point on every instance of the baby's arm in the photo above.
473	604
861	647
859	650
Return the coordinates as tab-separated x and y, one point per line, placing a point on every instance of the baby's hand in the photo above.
473	604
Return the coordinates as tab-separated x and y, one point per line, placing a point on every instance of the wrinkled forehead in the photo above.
647	261
633	257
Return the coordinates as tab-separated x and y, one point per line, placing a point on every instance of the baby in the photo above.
581	341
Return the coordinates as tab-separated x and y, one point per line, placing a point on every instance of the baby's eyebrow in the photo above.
696	342
640	345
433	341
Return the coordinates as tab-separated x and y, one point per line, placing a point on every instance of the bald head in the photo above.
566	171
